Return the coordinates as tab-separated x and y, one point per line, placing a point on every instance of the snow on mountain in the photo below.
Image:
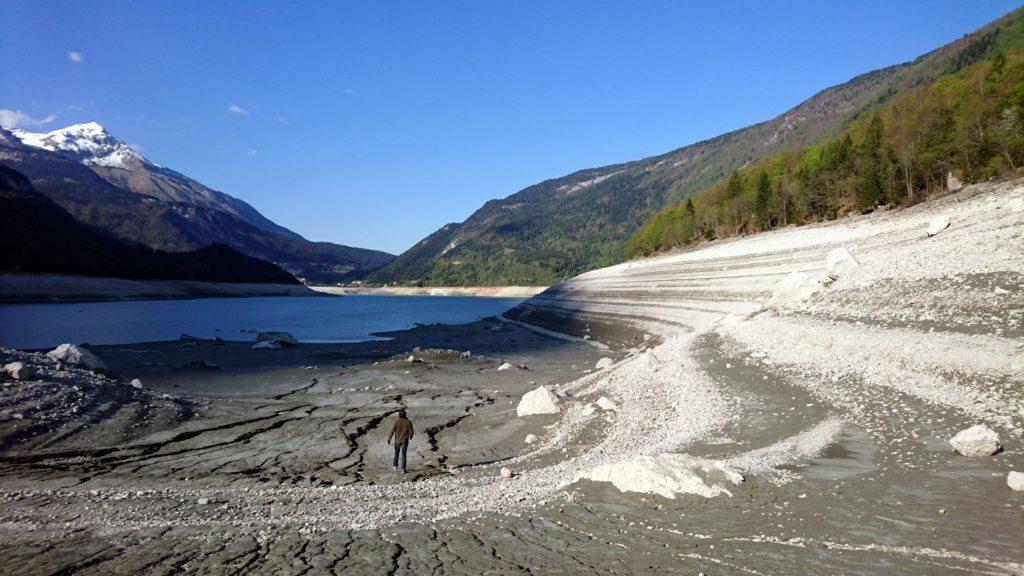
88	143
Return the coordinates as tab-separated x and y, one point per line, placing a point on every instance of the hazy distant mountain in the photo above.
37	235
562	227
108	186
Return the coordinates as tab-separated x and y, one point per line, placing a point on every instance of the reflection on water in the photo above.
310	319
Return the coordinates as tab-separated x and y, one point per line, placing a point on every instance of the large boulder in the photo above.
1015	480
20	371
938	224
796	288
506	366
668	475
606	403
284	338
976	442
71	355
604	363
537	401
840	262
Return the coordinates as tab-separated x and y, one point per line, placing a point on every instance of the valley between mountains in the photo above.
764	430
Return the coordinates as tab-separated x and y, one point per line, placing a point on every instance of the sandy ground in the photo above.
64	288
837	411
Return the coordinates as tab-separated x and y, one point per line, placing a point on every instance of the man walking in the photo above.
402	432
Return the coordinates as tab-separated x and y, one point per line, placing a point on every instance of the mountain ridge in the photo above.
167	225
38	236
121	165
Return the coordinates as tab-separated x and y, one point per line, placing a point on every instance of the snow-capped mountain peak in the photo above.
88	143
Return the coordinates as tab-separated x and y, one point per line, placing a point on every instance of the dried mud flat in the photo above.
836	409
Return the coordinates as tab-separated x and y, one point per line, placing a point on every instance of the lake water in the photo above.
310	319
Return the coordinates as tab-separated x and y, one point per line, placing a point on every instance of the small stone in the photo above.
530	439
506	472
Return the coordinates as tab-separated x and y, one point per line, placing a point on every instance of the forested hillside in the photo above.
962	127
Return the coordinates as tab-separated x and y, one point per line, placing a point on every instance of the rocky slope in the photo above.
139	205
564	226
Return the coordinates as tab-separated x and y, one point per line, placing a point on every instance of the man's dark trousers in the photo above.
400	447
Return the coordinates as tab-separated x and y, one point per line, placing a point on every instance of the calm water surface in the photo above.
310	319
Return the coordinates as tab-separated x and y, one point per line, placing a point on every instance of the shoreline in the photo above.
41	288
477	291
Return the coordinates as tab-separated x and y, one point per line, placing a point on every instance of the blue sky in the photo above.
373	124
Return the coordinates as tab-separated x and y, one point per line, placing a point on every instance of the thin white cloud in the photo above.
349	92
253	152
75	57
11	119
282	120
237	110
135	147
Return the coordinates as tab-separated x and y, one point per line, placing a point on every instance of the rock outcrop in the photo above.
937	224
538	401
20	371
840	262
72	355
668	475
796	288
976	442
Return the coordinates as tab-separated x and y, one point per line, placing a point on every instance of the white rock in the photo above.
75	356
650	360
506	366
795	288
604	363
976	442
587	410
20	371
667	475
284	338
537	401
506	472
267	345
840	262
204	501
1015	480
605	403
952	182
1015	205
136	383
938	224
530	439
